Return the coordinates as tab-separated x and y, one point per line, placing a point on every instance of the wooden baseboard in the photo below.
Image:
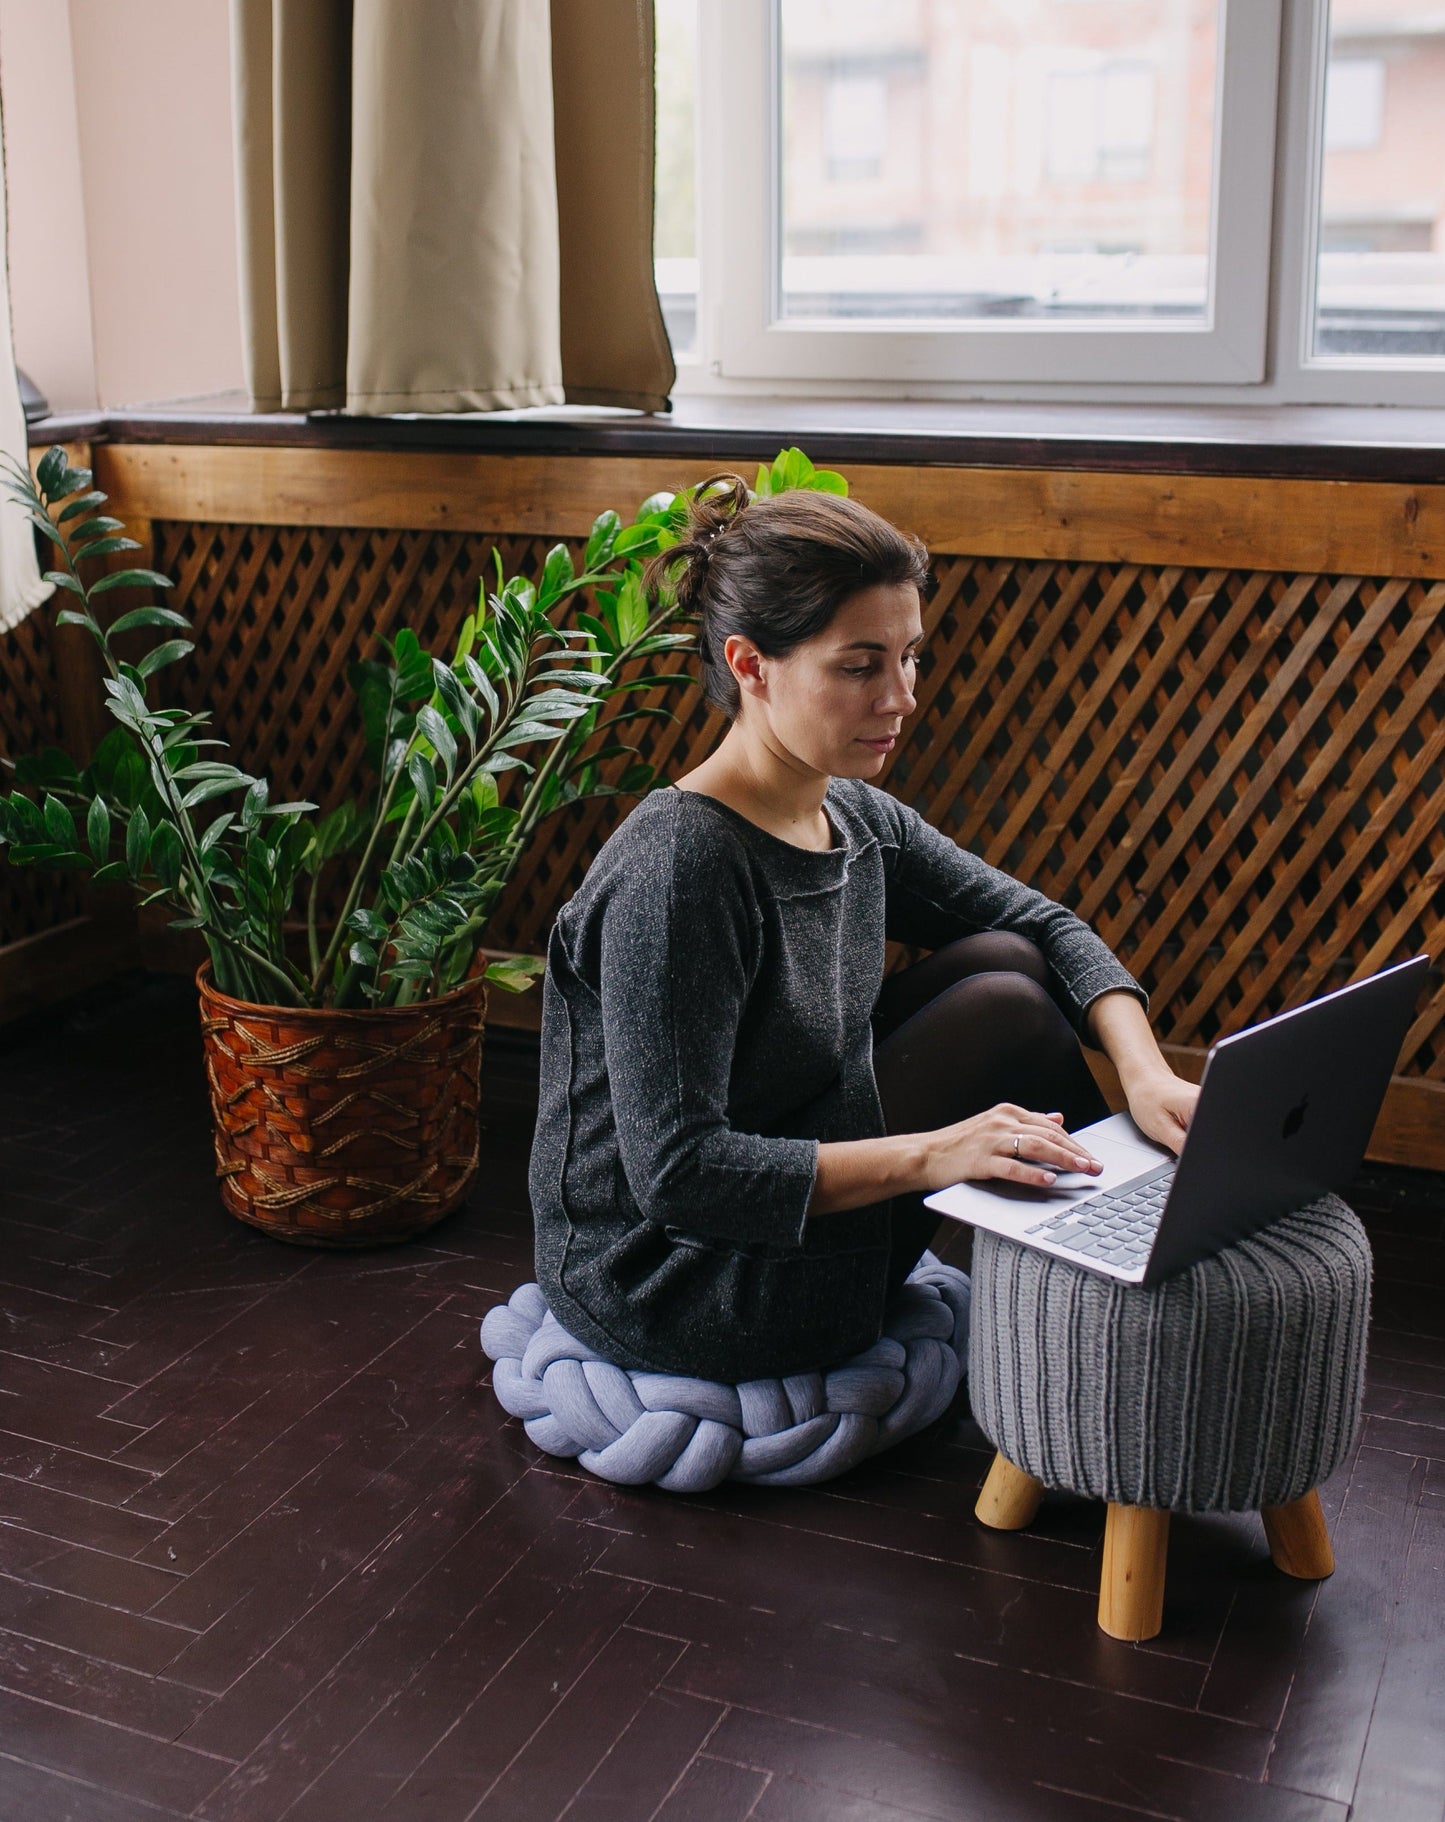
1410	1129
38	970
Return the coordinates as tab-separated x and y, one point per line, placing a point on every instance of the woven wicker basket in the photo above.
344	1128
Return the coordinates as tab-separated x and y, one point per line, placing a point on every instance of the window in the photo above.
1380	277
1083	197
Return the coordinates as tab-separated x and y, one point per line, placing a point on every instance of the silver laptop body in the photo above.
1285	1112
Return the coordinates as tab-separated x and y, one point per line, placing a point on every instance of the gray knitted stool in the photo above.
1232	1387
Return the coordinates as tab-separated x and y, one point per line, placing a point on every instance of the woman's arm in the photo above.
938	891
852	1173
1160	1102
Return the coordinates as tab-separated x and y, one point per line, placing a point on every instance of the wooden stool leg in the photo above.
1131	1589
1010	1498
1298	1540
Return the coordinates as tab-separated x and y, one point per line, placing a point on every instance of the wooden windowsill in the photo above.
1320	442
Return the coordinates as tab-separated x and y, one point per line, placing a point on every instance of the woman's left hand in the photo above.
1162	1105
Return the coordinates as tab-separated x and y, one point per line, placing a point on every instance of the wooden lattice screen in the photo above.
1235	777
31	901
1236	773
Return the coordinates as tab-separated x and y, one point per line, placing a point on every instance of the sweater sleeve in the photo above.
938	892
679	943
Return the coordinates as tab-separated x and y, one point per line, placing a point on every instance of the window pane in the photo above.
963	159
675	219
1381	287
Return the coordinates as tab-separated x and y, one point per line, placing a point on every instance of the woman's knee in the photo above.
1015	1008
1006	952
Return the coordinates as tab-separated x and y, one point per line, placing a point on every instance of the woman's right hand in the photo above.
983	1147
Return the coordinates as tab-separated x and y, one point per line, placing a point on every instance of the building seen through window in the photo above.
967	161
1381	286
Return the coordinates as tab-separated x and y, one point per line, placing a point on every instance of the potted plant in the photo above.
343	1051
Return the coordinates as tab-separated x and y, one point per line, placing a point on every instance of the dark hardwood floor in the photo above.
270	1549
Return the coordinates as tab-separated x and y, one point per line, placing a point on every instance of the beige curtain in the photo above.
414	235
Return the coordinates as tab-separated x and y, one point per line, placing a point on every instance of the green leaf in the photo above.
102	547
657	506
72	481
253	804
467	638
51	768
631	610
167	854
63	579
827	480
413	666
86	503
635	540
60	824
368	922
453	693
137	843
431	724
131	578
484	791
29	821
97	828
515	973
482	684
557	574
423	780
149	616
163	655
362	954
131	778
601	635
216	830
605	528
50	468
208	788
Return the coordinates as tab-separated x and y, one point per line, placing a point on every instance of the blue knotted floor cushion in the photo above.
690	1434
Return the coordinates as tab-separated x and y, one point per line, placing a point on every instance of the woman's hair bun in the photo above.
715	504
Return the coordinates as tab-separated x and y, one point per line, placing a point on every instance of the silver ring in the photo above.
1017	1137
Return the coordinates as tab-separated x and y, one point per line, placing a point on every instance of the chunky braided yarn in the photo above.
690	1434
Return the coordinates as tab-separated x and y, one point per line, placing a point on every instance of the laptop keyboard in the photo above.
1116	1227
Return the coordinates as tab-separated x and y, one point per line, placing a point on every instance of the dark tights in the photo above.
967	1027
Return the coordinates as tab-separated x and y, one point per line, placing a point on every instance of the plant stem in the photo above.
353	895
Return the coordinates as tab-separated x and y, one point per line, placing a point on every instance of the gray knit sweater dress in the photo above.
705	1024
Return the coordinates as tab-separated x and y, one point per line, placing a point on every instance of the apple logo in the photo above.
1294	1119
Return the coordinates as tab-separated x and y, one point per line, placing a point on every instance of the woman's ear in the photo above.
745	662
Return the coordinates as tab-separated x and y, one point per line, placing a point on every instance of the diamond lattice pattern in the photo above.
1236	776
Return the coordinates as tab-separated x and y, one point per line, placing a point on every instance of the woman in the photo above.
739	1120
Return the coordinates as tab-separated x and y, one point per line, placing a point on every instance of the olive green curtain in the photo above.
446	205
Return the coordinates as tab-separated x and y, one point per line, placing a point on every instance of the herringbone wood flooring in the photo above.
271	1550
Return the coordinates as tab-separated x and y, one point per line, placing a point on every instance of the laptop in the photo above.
1284	1114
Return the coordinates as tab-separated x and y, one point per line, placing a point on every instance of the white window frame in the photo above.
739	42
1263	311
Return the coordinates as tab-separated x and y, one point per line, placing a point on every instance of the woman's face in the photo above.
837	702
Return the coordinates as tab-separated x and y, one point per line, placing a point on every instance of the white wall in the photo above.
49	268
121	184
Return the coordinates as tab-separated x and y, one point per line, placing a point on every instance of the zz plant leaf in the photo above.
386	898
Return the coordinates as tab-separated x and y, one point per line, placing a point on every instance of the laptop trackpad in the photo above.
1117	1143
